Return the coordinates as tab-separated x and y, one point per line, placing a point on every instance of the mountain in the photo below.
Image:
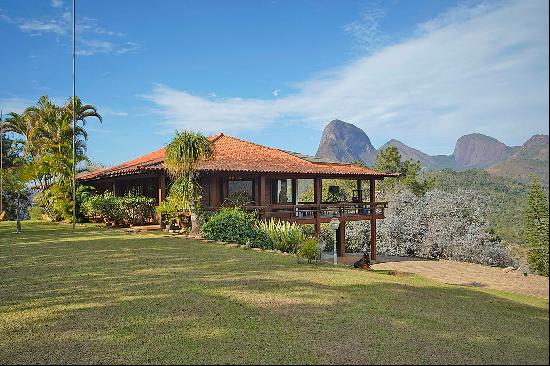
531	159
479	151
428	162
342	141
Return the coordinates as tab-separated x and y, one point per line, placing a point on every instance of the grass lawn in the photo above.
106	296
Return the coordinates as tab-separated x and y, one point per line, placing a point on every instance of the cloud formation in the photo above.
482	68
367	29
92	39
56	3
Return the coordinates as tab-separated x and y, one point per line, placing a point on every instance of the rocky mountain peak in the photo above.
478	150
342	141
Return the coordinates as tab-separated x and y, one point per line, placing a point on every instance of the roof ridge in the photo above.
270	148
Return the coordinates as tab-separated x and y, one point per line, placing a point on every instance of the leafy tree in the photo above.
15	181
183	154
46	132
11	152
389	161
536	218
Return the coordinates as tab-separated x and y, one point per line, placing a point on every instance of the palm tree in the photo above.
182	157
47	131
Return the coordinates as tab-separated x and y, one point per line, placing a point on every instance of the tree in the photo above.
182	156
46	132
389	160
536	217
15	182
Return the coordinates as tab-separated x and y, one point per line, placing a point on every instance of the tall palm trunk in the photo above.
195	221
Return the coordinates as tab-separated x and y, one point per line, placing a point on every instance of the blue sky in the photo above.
275	72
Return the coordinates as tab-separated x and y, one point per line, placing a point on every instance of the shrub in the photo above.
137	209
83	193
234	225
284	236
36	213
106	208
174	212
127	210
309	249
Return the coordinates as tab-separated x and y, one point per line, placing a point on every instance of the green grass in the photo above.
105	296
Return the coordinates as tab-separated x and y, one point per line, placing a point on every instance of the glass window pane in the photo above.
244	187
305	191
281	191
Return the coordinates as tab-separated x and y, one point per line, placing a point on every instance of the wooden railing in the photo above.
325	210
308	210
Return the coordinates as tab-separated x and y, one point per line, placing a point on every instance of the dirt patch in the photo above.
468	274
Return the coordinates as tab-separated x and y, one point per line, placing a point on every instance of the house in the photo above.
271	178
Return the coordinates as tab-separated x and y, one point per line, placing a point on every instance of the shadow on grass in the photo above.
163	300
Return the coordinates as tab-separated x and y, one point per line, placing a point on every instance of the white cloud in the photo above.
56	3
39	26
483	69
367	30
276	92
96	46
92	39
107	111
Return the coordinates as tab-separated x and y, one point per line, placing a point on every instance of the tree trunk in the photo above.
195	222
18	216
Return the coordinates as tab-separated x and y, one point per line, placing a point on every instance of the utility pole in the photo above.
1	162
74	114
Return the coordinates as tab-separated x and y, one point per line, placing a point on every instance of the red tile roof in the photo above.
235	155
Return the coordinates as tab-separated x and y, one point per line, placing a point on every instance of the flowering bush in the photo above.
440	225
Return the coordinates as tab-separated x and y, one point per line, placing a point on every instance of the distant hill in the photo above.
342	141
531	159
426	161
345	142
479	151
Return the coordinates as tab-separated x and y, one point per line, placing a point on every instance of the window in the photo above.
281	191
305	191
241	187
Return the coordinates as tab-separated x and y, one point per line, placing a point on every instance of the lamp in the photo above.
335	224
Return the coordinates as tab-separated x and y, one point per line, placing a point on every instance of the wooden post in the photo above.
263	195
114	187
161	197
225	189
162	188
215	191
372	212
341	239
317	195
